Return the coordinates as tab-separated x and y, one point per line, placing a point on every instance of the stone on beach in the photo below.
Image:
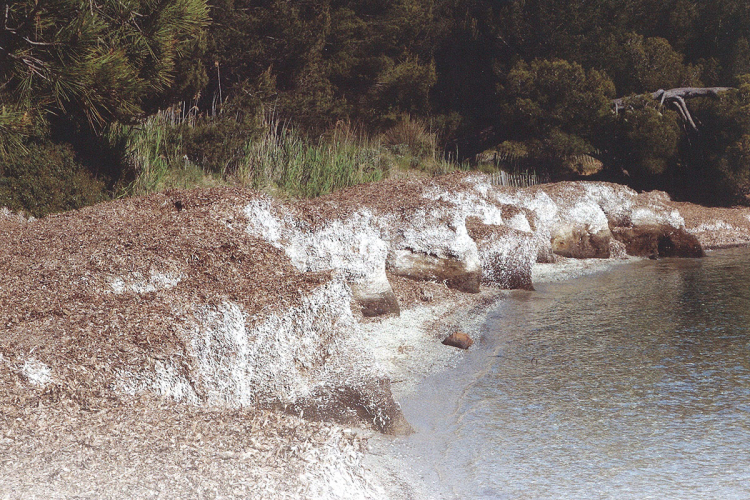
458	339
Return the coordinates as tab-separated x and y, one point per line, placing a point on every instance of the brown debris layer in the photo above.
391	196
736	220
52	446
56	289
78	291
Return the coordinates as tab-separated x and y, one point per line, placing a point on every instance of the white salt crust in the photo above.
279	358
36	372
287	355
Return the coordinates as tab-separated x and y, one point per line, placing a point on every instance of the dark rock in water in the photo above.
658	241
458	339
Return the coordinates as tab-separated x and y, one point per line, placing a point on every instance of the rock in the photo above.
658	240
455	273
506	254
545	255
458	339
518	218
580	242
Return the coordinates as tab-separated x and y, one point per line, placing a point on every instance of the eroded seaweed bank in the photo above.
227	305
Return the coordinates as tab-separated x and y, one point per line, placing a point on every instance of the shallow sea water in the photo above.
630	383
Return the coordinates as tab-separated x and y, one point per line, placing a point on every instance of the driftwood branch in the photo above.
682	92
675	97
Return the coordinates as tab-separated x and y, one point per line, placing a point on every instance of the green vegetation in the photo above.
131	96
166	152
45	178
556	109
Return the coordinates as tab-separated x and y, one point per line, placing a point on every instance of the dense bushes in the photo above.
557	108
538	75
45	178
99	61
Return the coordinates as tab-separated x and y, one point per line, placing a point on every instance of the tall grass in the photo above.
273	155
415	148
155	159
281	158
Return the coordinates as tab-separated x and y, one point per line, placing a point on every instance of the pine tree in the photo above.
95	62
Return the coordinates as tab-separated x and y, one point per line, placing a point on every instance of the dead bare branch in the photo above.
662	95
676	97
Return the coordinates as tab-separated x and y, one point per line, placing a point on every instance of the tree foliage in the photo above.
96	61
45	178
537	74
68	69
556	106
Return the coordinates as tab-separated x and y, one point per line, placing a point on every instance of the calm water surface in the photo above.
634	383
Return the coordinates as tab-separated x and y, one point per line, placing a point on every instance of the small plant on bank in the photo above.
281	158
155	156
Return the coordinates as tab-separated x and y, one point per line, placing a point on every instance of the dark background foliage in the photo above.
536	76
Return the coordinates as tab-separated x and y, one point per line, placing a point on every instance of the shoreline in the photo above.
302	323
382	457
394	465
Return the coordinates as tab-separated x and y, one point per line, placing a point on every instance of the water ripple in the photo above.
629	384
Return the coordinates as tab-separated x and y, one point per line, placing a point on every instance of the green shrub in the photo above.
410	135
267	153
45	178
156	159
217	145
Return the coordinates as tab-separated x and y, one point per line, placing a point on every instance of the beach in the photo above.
220	343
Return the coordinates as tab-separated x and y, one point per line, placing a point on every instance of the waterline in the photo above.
633	383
